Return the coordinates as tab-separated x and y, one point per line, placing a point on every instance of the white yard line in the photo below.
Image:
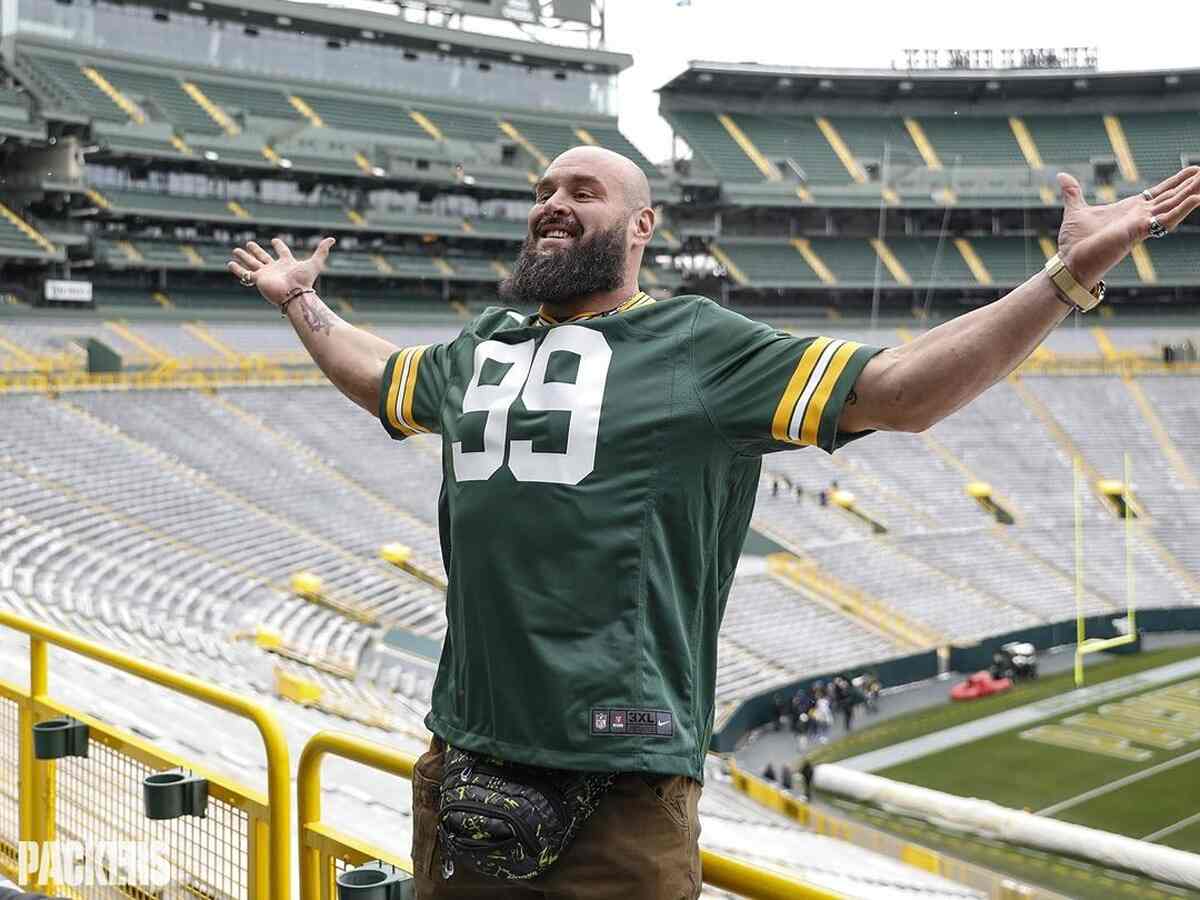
1020	716
1118	784
1171	829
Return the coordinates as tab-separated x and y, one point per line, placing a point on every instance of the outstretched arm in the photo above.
351	358
909	388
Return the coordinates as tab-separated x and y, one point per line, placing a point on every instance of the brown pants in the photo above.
641	844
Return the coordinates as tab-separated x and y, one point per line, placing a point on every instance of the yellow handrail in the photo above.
278	780
723	872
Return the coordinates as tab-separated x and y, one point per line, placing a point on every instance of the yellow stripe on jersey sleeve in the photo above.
816	406
787	403
401	389
410	388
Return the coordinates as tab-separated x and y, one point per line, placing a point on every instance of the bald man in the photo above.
601	455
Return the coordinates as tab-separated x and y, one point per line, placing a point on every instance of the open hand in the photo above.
1093	239
276	278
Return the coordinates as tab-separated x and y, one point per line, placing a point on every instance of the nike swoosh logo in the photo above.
664	724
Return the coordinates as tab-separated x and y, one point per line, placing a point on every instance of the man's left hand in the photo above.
1093	239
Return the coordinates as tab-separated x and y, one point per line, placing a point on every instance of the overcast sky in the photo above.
663	37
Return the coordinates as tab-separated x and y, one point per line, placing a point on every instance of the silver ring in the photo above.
1156	228
245	280
1147	194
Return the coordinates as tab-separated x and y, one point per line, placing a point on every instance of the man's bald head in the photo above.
612	168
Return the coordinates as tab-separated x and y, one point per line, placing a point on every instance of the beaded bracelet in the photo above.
296	292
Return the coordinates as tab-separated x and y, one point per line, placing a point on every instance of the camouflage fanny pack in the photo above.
511	821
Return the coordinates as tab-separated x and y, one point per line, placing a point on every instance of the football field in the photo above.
1129	765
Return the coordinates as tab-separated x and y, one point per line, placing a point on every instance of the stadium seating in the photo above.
16	117
1160	141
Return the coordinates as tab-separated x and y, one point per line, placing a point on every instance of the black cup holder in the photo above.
169	795
376	881
59	738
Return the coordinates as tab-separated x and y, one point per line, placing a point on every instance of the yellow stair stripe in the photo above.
363	163
884	252
382	264
768	168
301	106
28	230
1049	248
98	198
162	300
967	250
1120	147
127	106
649	276
1048	196
890	196
193	256
905	335
1026	142
442	266
500	268
181	145
1107	349
841	150
669	237
1107	193
22	355
214	111
138	341
356	217
804	248
1143	263
427	125
730	266
946	197
269	153
586	136
924	145
1177	460
132	253
804	193
204	336
513	132
855	604
237	209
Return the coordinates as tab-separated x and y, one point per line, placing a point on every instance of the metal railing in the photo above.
241	849
325	852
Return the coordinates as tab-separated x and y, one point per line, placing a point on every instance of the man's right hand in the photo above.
277	278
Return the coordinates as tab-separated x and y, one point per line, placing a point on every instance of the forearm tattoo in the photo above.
317	316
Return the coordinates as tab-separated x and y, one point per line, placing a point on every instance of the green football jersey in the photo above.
600	476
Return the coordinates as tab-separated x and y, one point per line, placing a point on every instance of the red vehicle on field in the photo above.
981	684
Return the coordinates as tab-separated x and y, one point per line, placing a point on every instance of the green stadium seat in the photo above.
771	264
1010	260
1069	141
610	136
161	97
463	126
151	139
973	140
1175	258
268	103
551	138
64	74
16	116
867	135
926	266
712	144
780	138
852	261
1160	141
241	149
359	114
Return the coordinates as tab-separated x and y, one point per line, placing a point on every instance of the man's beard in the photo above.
560	278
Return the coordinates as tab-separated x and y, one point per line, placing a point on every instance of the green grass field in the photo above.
1129	765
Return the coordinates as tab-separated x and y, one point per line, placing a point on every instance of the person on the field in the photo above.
601	457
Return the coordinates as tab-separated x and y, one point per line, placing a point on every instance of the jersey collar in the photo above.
641	298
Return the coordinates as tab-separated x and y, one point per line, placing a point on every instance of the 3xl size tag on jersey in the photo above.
642	722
